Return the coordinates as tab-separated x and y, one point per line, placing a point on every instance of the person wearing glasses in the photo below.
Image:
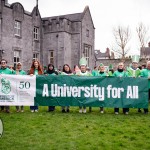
5	70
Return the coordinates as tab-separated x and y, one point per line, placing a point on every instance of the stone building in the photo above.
58	40
145	52
104	55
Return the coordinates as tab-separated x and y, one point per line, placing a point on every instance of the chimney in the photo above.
107	50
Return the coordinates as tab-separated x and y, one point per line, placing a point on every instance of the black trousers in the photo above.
124	110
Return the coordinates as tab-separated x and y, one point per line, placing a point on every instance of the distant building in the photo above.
145	52
58	40
106	55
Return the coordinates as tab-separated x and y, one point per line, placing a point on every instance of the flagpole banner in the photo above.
17	90
122	92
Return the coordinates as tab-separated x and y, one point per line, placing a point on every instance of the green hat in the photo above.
111	66
83	61
101	65
135	58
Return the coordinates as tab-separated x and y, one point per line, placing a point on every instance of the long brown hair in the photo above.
32	69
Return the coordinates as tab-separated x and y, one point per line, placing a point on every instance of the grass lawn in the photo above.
74	131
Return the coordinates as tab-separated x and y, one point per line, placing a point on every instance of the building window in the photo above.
36	33
51	56
35	56
87	33
86	53
17	28
16	57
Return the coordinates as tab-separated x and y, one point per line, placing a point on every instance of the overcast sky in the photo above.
106	15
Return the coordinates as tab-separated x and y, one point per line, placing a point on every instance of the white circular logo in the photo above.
1	128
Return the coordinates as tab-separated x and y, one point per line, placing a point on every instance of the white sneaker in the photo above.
116	113
80	111
36	110
84	111
126	113
102	112
32	111
22	110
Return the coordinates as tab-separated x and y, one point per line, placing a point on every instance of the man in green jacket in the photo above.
101	73
146	73
5	70
121	73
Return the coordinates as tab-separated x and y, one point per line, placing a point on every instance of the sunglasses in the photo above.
3	62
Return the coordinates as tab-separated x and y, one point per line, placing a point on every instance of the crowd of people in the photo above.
134	70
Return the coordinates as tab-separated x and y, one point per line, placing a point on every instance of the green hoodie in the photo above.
6	71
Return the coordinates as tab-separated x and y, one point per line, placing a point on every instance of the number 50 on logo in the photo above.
24	85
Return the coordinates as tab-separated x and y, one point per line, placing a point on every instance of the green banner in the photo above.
92	91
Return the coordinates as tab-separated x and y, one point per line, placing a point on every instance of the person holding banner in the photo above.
95	71
66	71
76	69
133	70
83	72
5	70
101	73
35	69
146	73
51	71
19	71
121	73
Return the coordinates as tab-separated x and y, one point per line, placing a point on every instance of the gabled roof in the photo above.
99	55
88	9
36	10
71	17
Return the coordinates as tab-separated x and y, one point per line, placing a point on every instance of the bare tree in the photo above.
142	36
122	37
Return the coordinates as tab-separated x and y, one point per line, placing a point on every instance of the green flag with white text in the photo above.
123	92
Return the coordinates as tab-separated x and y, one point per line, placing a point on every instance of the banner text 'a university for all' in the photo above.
73	91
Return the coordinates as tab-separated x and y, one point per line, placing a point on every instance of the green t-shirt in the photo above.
20	72
110	73
120	74
6	71
35	72
104	74
94	72
146	73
